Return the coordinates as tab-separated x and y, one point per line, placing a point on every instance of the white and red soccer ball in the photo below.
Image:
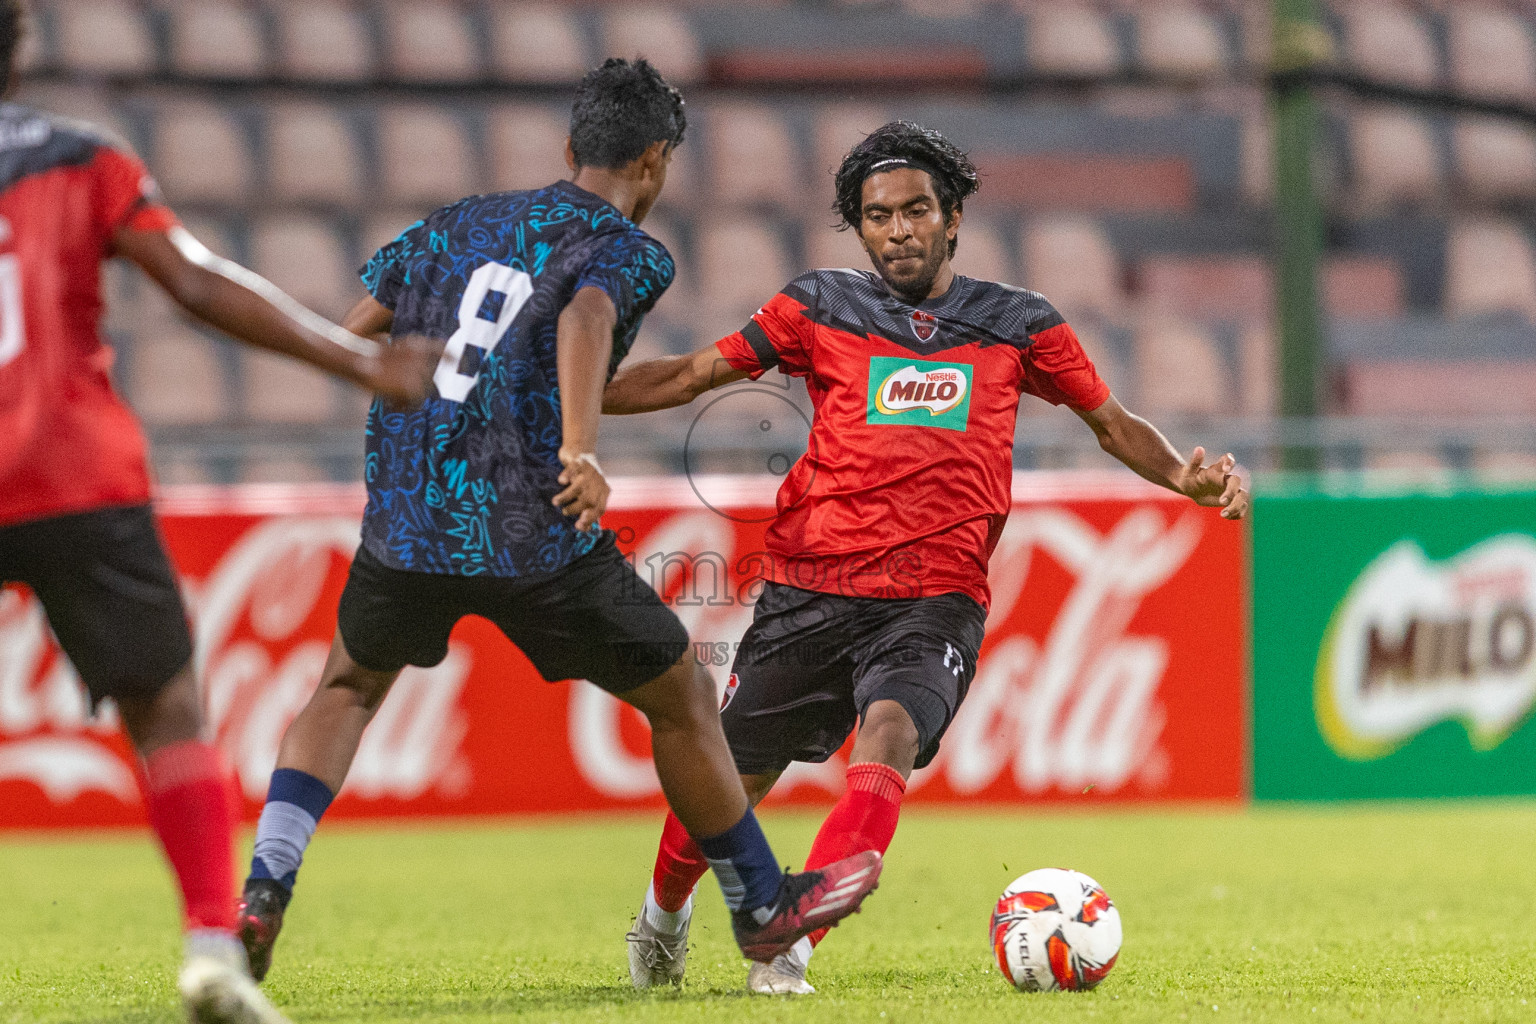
1055	929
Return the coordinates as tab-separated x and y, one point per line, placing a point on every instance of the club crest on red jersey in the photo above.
923	325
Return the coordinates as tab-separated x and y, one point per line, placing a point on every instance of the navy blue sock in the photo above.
295	803
743	864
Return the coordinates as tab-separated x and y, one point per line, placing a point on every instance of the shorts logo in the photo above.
919	393
730	691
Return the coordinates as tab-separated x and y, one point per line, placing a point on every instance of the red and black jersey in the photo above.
906	483
67	442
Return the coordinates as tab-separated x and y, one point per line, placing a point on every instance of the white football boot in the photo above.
216	985
785	974
658	957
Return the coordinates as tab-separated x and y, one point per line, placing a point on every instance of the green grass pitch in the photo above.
1395	913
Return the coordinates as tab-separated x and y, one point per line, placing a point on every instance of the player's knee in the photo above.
888	735
681	698
173	715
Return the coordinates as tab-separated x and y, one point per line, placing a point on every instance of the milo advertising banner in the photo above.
1394	645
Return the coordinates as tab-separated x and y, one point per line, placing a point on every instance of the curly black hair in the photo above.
622	108
13	26
904	143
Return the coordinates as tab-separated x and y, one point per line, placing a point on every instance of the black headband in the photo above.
892	163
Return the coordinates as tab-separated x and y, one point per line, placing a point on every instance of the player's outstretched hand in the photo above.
586	489
1215	486
402	371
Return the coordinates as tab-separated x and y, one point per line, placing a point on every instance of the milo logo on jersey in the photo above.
919	393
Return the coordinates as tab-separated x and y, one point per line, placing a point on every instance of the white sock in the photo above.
801	952
216	943
668	922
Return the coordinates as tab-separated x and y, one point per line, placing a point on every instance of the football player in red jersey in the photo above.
75	519
875	597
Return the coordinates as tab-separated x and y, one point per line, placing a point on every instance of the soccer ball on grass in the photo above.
1055	929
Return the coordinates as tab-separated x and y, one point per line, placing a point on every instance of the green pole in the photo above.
1300	42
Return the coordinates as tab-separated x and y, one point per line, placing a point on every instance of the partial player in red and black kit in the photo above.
75	520
875	597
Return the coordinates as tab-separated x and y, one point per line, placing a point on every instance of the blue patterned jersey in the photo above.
463	485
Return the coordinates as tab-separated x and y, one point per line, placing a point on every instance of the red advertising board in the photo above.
1114	667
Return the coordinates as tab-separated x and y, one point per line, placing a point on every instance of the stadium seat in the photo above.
742	262
1406	464
201	154
82	103
837	128
428	41
1496	158
1232	288
1442	388
1501	465
103	37
1388	42
324	40
291	467
174	376
537	43
173	470
277	389
1071	261
1395	157
217	39
1071	40
379	229
1491	51
313	154
982	253
1179	370
425	156
663	36
307	259
1256	157
752	156
1361	287
1489	268
826	246
1259	371
1180	41
527	146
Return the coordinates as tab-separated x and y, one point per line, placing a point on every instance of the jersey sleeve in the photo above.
388	270
633	270
126	195
780	334
1058	370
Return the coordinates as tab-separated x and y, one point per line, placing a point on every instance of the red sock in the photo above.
864	819
190	808
679	866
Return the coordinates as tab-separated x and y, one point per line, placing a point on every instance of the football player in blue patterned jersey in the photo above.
486	501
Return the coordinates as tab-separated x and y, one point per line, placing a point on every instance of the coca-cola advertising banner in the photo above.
1113	670
1395	644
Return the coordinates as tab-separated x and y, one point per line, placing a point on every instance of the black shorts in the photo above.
811	664
109	593
594	619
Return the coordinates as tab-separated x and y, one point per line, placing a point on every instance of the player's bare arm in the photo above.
668	382
371	319
1143	448
583	345
248	307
